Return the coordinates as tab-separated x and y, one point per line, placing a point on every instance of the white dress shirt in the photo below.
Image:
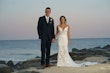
47	18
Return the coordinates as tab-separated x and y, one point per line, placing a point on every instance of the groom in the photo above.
46	34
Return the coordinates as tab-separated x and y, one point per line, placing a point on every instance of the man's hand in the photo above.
53	40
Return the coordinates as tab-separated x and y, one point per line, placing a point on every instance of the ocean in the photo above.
21	50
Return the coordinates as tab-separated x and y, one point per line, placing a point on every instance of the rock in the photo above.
108	59
75	50
10	64
28	64
107	47
83	50
19	66
2	62
24	71
104	62
31	63
34	72
97	47
53	62
77	55
38	57
54	56
5	69
91	52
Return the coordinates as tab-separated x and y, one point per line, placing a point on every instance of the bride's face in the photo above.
62	20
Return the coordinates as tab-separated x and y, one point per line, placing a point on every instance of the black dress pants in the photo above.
45	50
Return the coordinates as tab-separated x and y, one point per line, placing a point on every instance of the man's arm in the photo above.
53	33
39	29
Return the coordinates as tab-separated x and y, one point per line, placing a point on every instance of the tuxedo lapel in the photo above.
49	19
45	19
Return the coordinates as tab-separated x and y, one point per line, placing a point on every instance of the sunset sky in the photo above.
87	18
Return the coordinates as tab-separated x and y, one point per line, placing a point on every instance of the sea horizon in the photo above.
39	39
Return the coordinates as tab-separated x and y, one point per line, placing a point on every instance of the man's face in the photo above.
47	12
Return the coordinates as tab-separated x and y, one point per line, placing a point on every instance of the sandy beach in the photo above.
98	68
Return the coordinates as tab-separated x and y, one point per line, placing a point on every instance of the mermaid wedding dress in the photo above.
64	58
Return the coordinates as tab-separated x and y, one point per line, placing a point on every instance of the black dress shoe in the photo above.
43	66
49	65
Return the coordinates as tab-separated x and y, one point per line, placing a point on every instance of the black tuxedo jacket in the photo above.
45	28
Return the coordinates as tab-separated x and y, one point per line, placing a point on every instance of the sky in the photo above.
87	18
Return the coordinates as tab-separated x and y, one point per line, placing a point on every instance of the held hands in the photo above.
53	40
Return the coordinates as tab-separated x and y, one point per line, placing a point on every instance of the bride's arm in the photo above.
56	31
68	34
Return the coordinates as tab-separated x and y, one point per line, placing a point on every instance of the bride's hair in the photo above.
64	18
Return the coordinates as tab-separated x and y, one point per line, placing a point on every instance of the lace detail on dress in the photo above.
64	58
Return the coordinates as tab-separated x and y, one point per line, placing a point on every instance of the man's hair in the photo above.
48	8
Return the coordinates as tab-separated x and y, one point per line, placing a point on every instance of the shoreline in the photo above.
101	55
38	39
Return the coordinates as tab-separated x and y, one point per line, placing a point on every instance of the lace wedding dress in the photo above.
64	58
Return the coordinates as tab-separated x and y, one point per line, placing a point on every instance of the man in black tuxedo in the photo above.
46	34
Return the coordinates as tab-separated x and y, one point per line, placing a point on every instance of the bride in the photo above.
63	34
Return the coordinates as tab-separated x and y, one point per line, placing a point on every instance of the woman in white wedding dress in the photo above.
63	34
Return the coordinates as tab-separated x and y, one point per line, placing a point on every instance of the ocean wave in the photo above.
15	60
21	54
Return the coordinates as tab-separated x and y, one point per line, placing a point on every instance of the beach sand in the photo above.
98	68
